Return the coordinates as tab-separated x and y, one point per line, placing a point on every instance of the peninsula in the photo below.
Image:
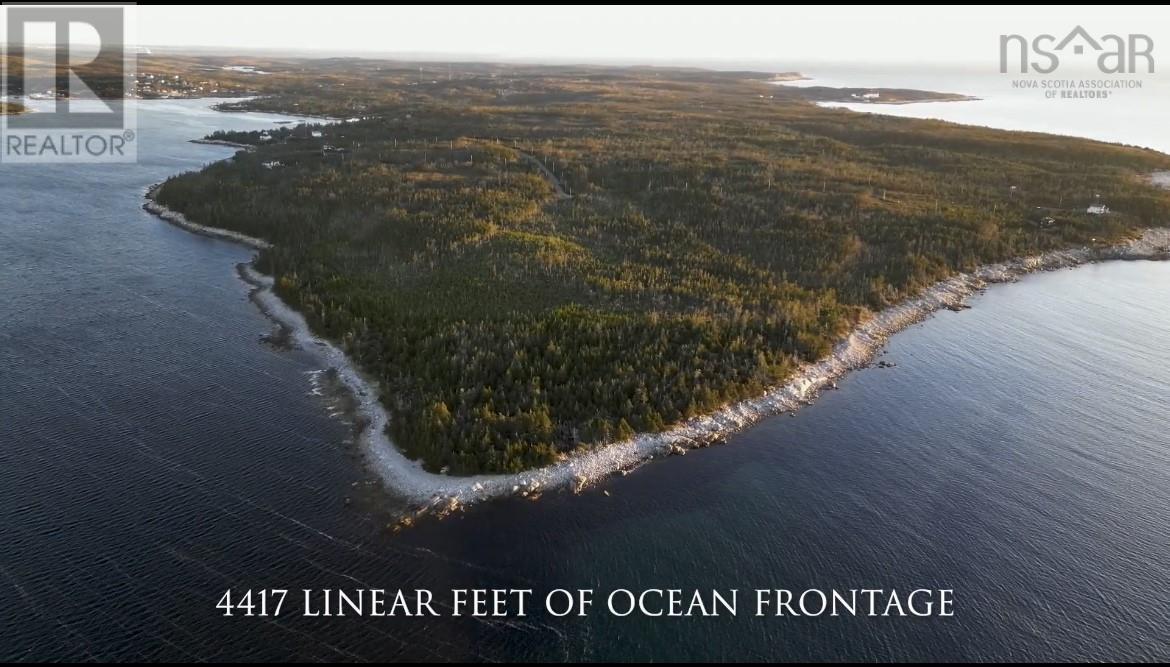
532	263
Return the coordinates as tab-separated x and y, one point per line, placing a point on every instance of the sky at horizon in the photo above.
631	34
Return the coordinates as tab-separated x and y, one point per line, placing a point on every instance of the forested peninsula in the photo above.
532	261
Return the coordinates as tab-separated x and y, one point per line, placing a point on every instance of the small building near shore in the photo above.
1097	209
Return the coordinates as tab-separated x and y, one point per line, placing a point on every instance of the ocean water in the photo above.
1133	116
154	452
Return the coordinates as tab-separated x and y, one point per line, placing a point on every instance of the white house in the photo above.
1097	209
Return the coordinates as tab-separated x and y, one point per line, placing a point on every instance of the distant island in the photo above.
537	261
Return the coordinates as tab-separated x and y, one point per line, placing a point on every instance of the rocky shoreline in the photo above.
433	493
179	220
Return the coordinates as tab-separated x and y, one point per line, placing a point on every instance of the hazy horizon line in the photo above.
772	65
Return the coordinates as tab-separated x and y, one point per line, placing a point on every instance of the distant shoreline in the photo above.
440	494
223	142
891	103
825	95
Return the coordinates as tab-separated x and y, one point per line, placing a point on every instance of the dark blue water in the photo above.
154	452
